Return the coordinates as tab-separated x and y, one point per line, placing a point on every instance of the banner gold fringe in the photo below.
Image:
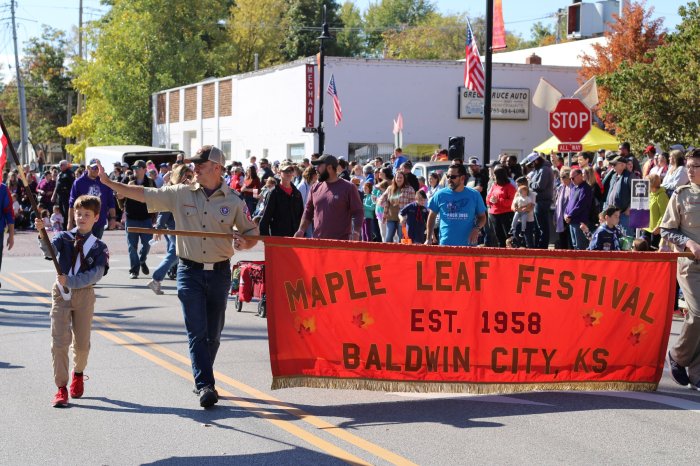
455	387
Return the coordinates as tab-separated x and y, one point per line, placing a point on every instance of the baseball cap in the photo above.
139	164
600	158
210	154
473	161
328	159
531	158
125	165
164	165
94	162
286	165
650	149
677	147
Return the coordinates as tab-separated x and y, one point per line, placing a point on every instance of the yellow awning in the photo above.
596	139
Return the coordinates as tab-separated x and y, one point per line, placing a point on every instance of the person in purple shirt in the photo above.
90	184
334	206
578	209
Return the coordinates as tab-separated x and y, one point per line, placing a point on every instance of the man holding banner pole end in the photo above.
681	226
204	272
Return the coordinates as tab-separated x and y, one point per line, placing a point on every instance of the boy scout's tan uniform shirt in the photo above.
194	211
683	213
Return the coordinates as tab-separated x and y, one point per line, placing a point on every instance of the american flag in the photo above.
333	92
473	71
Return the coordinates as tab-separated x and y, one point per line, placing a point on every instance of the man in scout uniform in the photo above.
204	270
681	226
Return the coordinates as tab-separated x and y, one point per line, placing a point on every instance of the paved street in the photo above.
139	407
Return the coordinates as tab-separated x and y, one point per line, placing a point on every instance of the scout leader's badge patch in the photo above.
224	210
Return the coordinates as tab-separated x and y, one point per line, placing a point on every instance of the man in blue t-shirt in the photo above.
462	211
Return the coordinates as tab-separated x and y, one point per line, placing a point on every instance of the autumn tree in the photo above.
628	42
656	100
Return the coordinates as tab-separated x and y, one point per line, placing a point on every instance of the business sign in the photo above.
310	93
506	104
481	320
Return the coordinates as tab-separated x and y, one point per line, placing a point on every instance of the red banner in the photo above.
499	27
420	318
310	93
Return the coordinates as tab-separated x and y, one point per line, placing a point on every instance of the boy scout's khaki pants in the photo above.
686	351
70	323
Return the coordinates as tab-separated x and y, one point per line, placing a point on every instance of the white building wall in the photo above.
269	105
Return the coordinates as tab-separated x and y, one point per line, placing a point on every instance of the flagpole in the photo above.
487	83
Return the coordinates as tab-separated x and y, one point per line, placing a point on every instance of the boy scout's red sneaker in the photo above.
76	386
60	400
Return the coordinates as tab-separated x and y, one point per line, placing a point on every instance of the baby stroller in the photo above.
248	285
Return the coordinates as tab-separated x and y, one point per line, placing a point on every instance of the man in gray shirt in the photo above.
542	182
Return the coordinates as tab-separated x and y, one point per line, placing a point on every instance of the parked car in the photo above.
424	169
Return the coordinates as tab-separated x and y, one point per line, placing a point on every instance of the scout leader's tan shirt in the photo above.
194	211
683	213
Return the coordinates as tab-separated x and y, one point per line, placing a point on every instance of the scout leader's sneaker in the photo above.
155	286
60	399
77	385
208	397
678	372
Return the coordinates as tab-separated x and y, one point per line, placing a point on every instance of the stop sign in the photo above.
570	120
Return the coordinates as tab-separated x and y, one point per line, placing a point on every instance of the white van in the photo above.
108	155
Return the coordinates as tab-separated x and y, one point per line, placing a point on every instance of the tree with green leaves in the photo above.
396	15
656	99
437	37
47	87
143	46
349	39
256	27
303	20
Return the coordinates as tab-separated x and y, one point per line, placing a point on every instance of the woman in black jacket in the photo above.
283	206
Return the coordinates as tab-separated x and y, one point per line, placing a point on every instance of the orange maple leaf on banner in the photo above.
591	317
305	326
636	334
362	319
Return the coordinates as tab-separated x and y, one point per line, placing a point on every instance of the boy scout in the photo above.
681	226
204	270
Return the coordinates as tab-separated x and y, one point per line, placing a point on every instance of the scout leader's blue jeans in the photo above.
203	295
132	239
168	261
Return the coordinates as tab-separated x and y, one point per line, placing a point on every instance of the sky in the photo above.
519	15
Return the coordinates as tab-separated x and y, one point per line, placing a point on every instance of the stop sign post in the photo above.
570	121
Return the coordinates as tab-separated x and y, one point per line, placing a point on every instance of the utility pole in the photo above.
24	157
325	35
80	52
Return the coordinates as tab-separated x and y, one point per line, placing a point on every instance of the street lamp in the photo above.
324	36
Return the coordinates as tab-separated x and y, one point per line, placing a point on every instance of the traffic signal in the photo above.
455	148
